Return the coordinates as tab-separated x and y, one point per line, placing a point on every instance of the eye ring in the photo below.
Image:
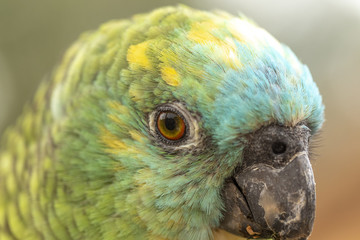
170	125
190	137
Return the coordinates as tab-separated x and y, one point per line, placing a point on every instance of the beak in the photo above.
263	201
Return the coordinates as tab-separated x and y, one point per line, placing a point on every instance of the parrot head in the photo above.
194	121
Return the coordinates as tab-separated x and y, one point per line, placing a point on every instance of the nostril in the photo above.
278	147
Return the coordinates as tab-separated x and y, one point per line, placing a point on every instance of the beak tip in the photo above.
277	203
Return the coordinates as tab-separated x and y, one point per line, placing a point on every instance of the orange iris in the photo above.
170	125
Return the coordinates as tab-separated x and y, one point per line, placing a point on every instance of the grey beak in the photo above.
266	202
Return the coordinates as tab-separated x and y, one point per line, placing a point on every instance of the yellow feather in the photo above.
170	76
136	55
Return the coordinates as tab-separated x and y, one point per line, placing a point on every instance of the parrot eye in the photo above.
175	127
170	125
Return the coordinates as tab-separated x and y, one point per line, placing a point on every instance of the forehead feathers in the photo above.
233	73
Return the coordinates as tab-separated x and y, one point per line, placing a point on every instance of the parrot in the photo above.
173	124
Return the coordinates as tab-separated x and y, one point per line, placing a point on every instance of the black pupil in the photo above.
170	122
278	147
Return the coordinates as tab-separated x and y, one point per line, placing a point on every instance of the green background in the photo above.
325	34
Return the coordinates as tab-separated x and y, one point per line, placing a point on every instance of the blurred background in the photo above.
325	34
